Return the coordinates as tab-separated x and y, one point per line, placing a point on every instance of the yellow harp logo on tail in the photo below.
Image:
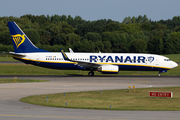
18	39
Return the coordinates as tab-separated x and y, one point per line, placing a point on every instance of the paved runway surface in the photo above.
12	109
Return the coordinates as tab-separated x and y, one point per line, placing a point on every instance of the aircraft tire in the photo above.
91	74
159	74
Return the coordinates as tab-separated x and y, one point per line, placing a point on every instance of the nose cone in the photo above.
173	64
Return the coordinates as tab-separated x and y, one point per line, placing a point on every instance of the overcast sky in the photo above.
93	9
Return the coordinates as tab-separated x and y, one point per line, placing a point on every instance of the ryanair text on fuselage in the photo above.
120	59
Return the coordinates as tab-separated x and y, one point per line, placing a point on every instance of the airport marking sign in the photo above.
161	94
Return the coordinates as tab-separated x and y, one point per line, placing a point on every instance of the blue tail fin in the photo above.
21	42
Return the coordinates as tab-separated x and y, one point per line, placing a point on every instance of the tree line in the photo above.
132	35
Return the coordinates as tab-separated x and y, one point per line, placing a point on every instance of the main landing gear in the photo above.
159	74
91	73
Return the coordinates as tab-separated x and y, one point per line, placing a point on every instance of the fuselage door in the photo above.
157	61
38	59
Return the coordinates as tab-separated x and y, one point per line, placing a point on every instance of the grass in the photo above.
118	99
9	58
20	80
23	69
174	57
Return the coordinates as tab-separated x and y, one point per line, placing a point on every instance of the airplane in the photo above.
106	63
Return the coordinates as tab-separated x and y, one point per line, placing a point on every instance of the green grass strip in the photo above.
23	69
20	80
118	99
7	59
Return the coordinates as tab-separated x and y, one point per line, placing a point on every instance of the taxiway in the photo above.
12	108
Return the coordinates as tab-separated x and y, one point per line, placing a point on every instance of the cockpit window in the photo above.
167	60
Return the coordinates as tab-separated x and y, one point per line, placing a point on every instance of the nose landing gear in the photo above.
159	74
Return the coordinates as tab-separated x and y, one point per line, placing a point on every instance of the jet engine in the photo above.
109	69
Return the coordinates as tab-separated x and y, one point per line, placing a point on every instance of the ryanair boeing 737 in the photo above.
107	63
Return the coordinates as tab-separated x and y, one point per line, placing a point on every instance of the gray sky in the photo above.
93	9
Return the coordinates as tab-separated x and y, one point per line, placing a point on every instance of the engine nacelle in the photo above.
109	69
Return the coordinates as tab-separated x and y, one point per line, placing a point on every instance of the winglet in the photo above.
71	51
64	55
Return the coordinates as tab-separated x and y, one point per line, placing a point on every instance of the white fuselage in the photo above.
125	61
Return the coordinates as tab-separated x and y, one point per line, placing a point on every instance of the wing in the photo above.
88	64
81	63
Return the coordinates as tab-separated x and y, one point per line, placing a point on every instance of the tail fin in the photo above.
21	42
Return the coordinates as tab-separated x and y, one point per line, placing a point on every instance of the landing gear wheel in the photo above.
91	73
159	74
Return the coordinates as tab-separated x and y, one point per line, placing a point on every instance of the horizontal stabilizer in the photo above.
16	54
